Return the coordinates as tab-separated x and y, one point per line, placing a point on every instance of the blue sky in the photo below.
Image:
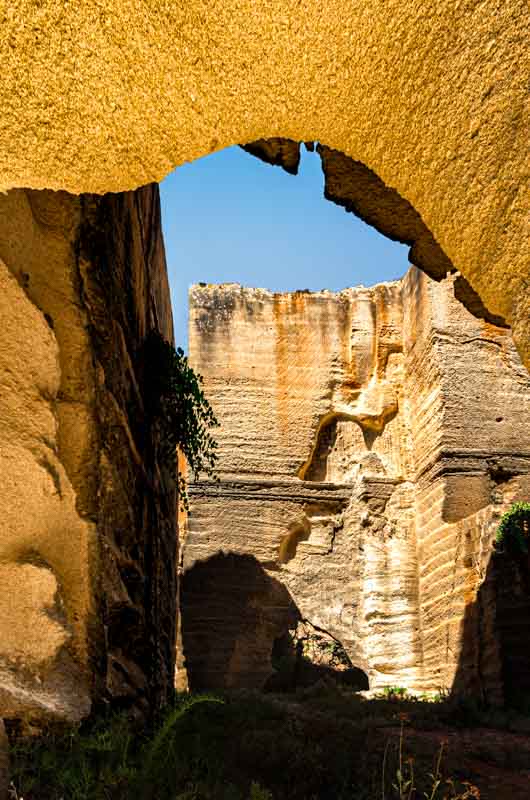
230	217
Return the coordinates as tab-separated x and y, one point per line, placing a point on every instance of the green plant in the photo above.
164	738
257	792
442	695
513	533
180	411
395	692
79	763
404	783
113	757
316	647
246	746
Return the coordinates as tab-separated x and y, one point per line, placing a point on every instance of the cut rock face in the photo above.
362	438
81	282
44	547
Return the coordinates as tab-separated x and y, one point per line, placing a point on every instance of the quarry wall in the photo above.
369	442
87	553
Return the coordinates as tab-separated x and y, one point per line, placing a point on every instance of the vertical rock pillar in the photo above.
87	553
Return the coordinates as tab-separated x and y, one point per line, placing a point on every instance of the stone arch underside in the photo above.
360	191
429	97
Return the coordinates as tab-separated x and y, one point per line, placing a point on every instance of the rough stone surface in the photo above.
85	511
431	96
369	442
4	763
281	152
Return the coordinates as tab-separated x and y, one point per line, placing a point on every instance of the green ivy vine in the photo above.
180	411
513	533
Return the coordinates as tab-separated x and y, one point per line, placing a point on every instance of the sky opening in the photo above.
229	217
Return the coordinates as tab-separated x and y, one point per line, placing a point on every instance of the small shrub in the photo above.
85	762
513	533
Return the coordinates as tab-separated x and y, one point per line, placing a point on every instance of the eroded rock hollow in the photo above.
369	442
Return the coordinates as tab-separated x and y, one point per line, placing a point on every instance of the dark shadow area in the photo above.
232	611
494	662
121	262
332	745
308	656
318	467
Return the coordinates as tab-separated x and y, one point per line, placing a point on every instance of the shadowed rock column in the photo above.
4	763
87	554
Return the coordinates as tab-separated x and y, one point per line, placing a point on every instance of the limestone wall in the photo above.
369	441
428	101
469	399
85	511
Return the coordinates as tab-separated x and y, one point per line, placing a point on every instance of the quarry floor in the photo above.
320	743
487	749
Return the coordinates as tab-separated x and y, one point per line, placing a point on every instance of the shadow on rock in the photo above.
494	664
232	611
241	629
308	656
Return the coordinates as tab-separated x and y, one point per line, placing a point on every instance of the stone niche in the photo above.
369	442
87	549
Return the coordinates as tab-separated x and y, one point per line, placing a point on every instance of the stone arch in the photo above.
343	450
356	188
406	91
